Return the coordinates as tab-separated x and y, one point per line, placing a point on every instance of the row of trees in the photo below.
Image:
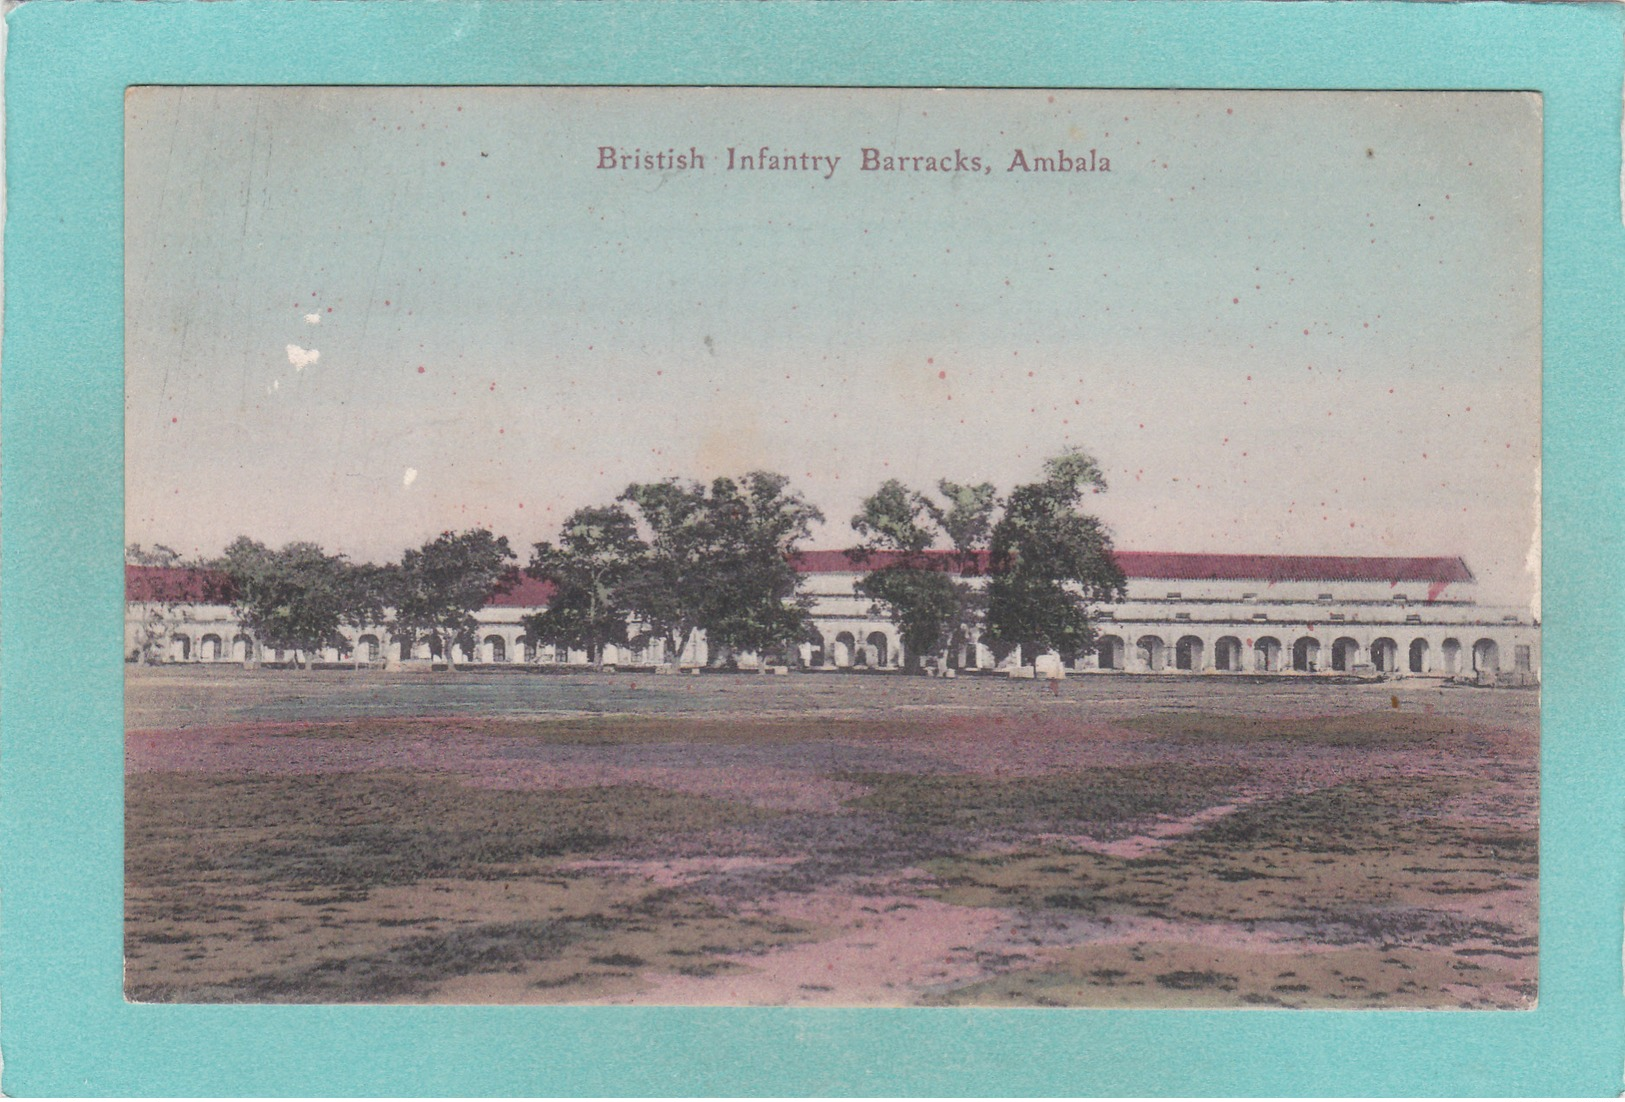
667	559
297	597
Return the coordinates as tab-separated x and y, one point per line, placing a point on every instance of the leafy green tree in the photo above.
294	598
1049	560
759	524
438	587
597	552
965	517
668	588
907	584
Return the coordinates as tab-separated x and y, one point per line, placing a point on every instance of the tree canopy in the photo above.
438	587
294	598
1049	560
760	524
597	551
907	584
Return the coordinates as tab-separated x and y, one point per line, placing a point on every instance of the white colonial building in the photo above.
1182	614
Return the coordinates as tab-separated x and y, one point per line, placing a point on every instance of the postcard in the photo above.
888	570
861	547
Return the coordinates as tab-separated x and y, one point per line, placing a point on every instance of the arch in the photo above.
366	648
609	655
1418	658
1267	655
1385	655
1109	648
1306	654
180	649
1486	656
531	652
1188	653
242	648
1152	652
876	645
844	650
496	649
209	648
1227	654
1345	654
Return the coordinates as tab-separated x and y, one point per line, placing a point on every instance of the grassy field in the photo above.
828	840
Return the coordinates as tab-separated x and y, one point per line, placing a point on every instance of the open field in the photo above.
828	840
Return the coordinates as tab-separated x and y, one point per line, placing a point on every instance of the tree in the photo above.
294	598
598	550
668	587
907	584
759	524
1049	561
933	610
438	587
967	521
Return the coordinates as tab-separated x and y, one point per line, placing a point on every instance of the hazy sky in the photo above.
1284	322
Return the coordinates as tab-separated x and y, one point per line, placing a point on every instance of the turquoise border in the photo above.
66	1028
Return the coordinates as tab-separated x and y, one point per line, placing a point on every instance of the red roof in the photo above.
1180	566
175	583
522	591
183	583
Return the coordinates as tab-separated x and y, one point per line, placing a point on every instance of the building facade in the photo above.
1181	614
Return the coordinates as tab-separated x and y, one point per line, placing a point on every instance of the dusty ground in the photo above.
828	839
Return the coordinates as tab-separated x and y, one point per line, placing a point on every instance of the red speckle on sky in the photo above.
942	374
421	369
1235	302
174	420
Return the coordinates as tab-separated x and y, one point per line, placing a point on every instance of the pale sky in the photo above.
1284	322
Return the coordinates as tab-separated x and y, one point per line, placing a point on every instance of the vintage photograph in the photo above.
832	547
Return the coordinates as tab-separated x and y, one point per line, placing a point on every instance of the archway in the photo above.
843	650
1306	654
1227	654
1150	650
1109	649
876	646
1385	655
496	649
1188	653
208	648
242	648
1419	656
367	648
1450	652
1486	656
1345	654
180	649
1267	655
